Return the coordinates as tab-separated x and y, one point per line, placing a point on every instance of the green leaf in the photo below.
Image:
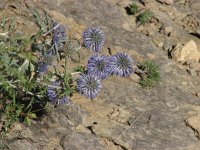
24	66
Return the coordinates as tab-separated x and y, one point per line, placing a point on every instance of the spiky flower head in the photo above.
89	85
121	64
42	68
93	38
53	95
60	36
62	100
99	65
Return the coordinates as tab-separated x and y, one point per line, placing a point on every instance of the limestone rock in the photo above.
168	2
191	72
158	42
22	145
167	46
73	141
195	66
187	52
194	123
135	78
198	94
167	30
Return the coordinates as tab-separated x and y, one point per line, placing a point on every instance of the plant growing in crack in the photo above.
149	73
132	9
145	17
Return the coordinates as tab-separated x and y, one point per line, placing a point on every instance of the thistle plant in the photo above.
99	65
22	95
89	85
121	65
145	17
53	94
59	37
17	85
23	90
42	68
93	38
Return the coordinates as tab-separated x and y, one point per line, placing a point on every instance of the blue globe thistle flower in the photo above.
99	66
89	85
93	38
42	68
53	96
121	64
60	36
51	93
60	101
51	90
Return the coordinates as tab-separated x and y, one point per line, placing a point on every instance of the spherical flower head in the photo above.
51	93
53	96
89	85
62	100
121	64
60	36
99	66
42	68
93	38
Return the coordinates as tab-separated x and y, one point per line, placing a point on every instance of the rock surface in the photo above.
124	116
168	2
187	52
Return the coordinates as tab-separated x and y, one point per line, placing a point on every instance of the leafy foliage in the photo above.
151	74
145	17
23	89
133	8
80	68
3	145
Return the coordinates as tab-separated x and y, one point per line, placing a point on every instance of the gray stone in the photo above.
191	72
76	141
168	2
22	145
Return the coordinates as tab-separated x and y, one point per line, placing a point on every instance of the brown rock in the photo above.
198	73
158	42
191	64
194	123
135	78
189	51
198	94
81	128
168	2
197	67
168	30
191	72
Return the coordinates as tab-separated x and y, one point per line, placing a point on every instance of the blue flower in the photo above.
89	85
42	68
93	38
53	96
60	101
121	64
99	66
60	36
